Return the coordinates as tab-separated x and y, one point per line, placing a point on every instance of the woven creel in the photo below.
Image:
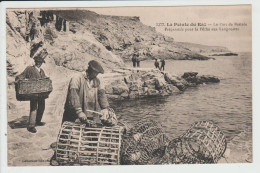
78	144
202	143
143	143
33	88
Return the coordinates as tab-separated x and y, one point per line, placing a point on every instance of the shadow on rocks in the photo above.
19	122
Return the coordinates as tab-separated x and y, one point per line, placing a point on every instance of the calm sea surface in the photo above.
228	104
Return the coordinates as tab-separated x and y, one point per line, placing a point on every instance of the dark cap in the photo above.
96	66
39	59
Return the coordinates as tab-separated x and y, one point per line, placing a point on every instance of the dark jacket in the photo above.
77	98
156	64
31	73
163	63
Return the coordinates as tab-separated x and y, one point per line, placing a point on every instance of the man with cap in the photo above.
85	92
37	104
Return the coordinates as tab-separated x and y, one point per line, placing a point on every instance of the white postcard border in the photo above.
253	167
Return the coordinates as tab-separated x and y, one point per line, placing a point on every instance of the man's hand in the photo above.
82	117
105	114
109	117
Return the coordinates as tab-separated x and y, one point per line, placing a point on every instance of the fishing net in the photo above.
143	143
78	144
202	143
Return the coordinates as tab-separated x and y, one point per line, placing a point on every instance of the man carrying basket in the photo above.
37	103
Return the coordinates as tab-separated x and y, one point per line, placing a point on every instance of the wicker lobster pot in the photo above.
78	144
202	143
33	88
144	143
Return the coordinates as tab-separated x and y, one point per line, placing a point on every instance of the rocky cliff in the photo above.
125	35
73	37
29	28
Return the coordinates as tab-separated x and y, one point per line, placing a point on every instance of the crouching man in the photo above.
85	95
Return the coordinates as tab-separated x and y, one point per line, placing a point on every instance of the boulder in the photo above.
134	86
132	77
176	81
145	89
133	94
193	80
153	92
172	89
125	94
120	88
149	83
116	87
189	74
208	79
159	83
171	79
149	76
163	93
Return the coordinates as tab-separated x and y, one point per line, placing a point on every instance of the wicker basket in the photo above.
33	88
78	144
202	143
144	143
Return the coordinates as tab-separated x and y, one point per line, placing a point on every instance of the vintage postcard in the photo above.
129	85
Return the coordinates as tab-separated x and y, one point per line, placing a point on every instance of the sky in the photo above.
237	41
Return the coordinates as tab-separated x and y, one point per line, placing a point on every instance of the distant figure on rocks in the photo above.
162	65
156	64
37	104
134	61
85	93
138	60
36	33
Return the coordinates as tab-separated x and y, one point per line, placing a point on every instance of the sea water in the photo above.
228	103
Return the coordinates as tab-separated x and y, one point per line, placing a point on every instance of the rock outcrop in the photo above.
74	37
225	54
124	36
17	49
204	49
207	50
27	28
139	83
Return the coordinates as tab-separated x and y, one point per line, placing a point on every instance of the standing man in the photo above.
85	93
138	60
156	64
162	65
134	61
37	104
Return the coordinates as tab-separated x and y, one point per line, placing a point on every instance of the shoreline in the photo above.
125	83
21	143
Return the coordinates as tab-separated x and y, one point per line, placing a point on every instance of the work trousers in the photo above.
134	63
162	68
37	107
138	63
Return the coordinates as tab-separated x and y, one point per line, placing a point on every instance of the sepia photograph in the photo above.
140	85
